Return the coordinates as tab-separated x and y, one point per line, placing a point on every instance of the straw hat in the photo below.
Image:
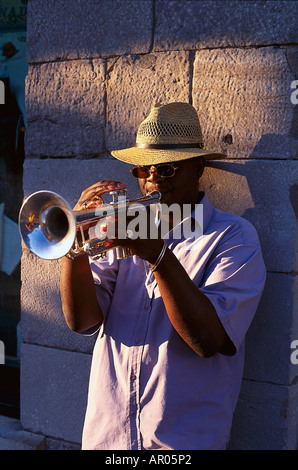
171	132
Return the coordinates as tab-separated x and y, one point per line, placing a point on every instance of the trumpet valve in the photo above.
118	195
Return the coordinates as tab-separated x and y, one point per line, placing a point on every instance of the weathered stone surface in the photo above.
60	29
274	327
57	444
65	109
265	418
265	193
244	101
54	386
194	25
135	84
69	177
13	436
42	318
292	57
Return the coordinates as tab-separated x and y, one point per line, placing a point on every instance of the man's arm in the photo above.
190	311
78	294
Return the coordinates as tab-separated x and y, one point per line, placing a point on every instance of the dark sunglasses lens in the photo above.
165	171
140	172
162	170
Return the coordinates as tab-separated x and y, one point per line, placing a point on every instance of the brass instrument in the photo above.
51	229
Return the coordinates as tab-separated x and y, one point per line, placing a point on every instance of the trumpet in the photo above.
51	229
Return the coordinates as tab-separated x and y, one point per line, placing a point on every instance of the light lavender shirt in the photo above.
148	389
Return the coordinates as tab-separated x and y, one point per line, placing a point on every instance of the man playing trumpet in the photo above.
170	320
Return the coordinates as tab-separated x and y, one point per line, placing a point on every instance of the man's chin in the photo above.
167	199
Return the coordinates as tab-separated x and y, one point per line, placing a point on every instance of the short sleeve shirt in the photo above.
148	389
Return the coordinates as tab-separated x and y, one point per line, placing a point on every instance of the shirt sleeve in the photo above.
104	273
234	281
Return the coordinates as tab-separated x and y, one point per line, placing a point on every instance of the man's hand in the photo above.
91	197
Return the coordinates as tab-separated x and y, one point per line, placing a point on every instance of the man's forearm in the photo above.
78	295
190	311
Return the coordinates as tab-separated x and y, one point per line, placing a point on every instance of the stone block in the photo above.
135	84
69	177
60	29
205	24
265	193
54	386
57	444
274	327
292	57
243	97
42	318
265	418
13	436
65	109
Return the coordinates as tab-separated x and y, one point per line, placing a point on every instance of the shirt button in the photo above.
133	377
132	413
147	307
137	340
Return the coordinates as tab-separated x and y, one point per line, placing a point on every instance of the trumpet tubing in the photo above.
51	229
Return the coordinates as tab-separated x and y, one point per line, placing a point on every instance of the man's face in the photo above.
182	188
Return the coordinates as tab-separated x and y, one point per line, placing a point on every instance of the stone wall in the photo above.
95	69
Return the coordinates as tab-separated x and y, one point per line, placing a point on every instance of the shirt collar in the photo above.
207	211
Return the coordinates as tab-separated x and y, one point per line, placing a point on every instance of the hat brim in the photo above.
139	156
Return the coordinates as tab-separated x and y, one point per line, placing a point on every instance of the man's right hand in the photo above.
91	197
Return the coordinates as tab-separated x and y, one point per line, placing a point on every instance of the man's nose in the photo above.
153	175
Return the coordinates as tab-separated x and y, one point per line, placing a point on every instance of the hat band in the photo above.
169	146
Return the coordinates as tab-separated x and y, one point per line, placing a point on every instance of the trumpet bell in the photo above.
47	225
51	229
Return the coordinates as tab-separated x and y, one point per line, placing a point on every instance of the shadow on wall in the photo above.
265	193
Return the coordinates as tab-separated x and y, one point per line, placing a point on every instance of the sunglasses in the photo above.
164	170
